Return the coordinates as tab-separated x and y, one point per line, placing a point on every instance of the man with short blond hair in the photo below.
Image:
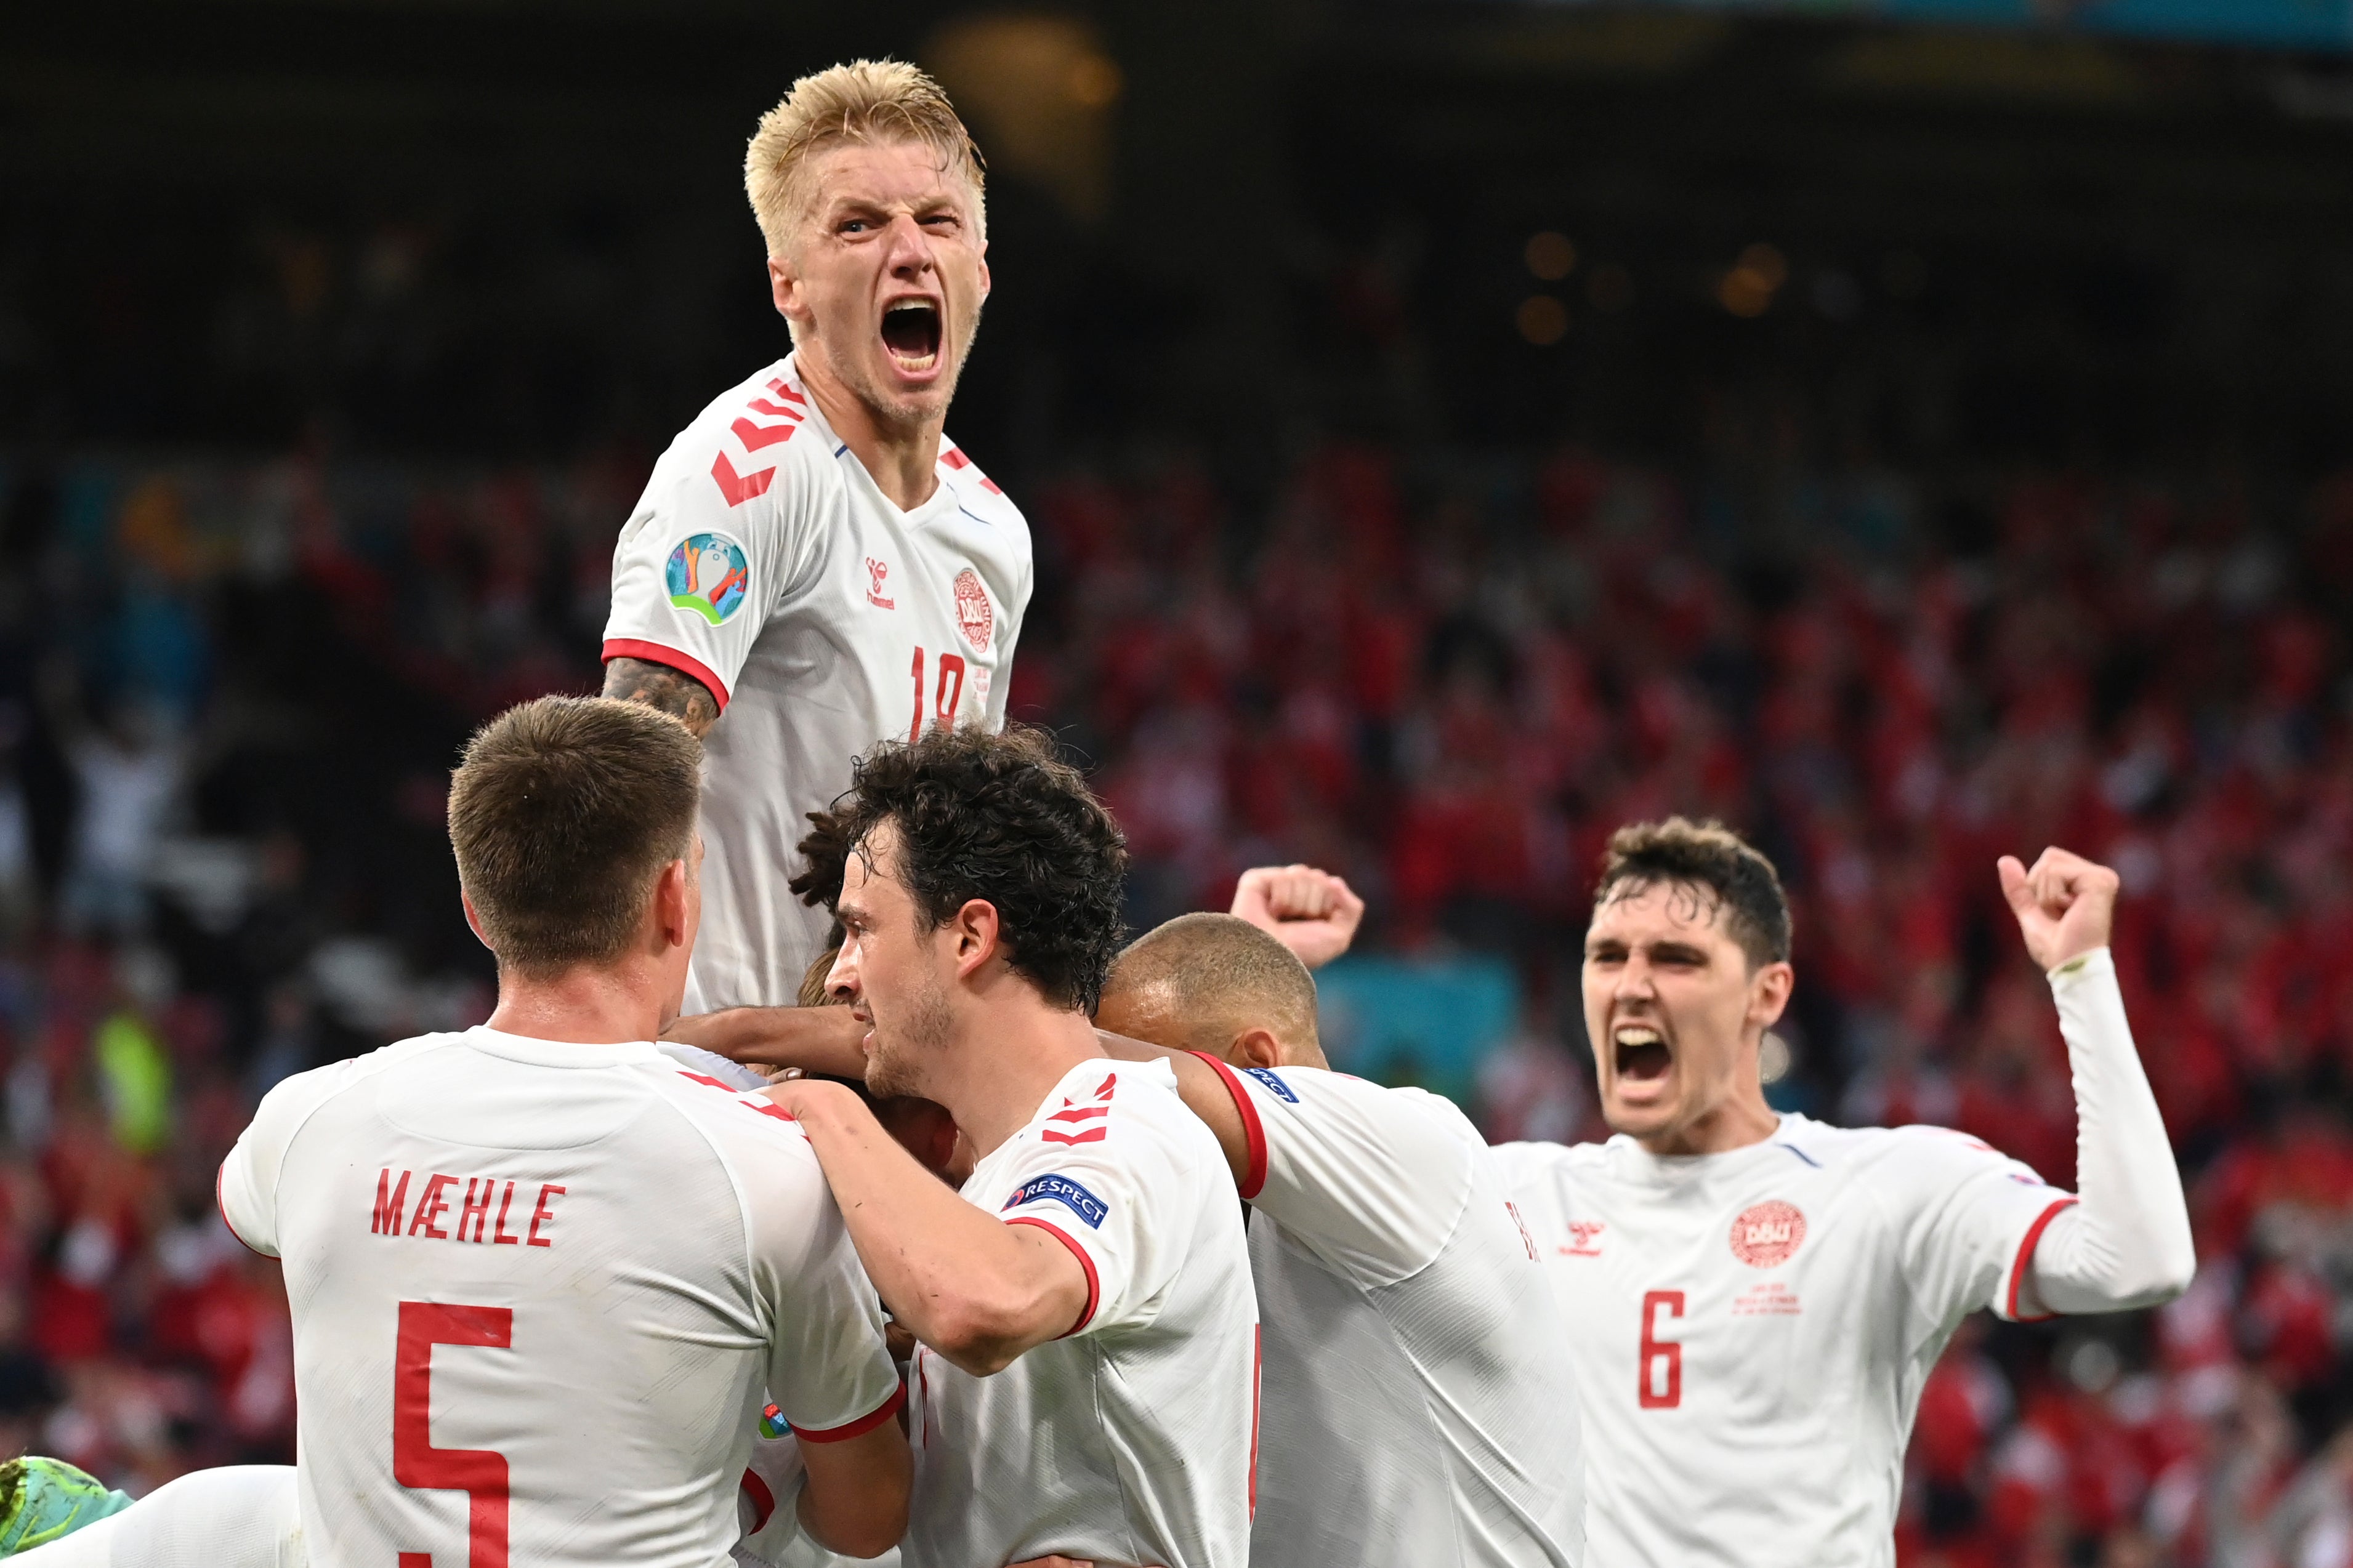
814	567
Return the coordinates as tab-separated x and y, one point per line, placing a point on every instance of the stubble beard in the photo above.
903	1051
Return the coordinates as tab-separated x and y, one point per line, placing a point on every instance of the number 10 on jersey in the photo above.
943	700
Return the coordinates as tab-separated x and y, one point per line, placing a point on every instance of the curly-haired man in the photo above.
1086	1379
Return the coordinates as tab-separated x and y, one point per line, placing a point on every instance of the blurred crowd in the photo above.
230	693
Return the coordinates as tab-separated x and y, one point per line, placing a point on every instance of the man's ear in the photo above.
785	289
1768	993
670	904
977	936
473	921
1255	1049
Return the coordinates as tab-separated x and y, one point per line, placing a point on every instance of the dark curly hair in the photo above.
1710	859
823	849
1001	819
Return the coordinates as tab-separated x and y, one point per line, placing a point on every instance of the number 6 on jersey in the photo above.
1665	1391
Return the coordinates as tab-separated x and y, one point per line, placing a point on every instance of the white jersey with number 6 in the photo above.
1130	1439
1751	1329
538	1292
764	561
1421	1405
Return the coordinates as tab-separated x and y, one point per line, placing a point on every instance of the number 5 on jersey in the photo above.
1661	1363
479	1473
944	701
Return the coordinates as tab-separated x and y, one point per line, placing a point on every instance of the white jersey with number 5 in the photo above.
1751	1329
538	1292
1130	1439
1420	1403
764	561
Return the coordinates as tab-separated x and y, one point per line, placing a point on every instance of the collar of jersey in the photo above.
557	1053
943	499
1682	1170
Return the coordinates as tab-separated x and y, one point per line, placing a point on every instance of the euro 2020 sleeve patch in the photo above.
708	576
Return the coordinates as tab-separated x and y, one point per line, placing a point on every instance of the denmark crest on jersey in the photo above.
975	616
708	576
1767	1235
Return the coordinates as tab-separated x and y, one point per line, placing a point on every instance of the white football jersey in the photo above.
764	561
1421	1406
538	1291
1130	1440
1751	1329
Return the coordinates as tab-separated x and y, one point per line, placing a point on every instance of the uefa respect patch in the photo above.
709	575
1266	1076
1073	1195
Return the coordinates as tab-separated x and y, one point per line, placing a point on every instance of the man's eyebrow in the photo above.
1680	952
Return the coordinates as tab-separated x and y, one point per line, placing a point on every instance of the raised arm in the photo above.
1310	911
815	1039
658	686
978	1291
2126	1242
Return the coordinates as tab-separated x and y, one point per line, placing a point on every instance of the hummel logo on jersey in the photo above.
1073	1195
1080	1115
1584	1239
1266	1076
876	570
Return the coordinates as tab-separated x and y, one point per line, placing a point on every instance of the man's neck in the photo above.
1744	1121
902	456
1004	1070
580	1006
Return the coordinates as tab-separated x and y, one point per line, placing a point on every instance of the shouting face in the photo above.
895	967
885	282
1675	1010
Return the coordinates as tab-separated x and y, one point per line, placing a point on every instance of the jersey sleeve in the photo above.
829	1370
1118	1192
246	1187
1372	1180
1970	1218
714	544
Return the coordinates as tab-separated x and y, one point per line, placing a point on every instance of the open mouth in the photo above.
910	330
1642	1054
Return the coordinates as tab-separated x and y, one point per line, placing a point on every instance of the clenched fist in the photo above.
2066	906
1310	911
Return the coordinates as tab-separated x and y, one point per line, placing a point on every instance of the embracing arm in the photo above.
1200	1086
978	1291
815	1039
658	686
854	1500
2126	1242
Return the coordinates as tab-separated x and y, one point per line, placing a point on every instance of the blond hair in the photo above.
875	102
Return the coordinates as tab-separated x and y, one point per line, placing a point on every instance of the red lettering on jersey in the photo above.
755	437
1668	1353
417	1560
740	488
541	1214
389	1201
431	1206
1581	1242
1091	1135
479	1213
498	1237
875	572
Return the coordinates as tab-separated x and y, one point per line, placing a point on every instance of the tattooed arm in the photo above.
658	686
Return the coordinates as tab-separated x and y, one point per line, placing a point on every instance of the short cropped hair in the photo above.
876	103
1709	858
1218	976
562	813
1001	819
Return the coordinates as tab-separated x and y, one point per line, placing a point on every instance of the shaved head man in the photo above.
1419	1411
